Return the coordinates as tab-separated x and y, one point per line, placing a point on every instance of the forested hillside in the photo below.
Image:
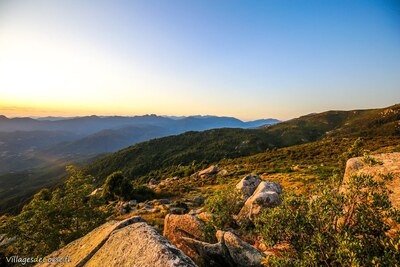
214	145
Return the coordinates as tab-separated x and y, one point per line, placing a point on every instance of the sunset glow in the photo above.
73	58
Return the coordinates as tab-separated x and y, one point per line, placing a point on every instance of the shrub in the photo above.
371	160
117	186
223	205
335	228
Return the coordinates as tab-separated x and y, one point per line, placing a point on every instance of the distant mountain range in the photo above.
35	151
92	124
27	143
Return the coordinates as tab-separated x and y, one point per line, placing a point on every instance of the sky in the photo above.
247	59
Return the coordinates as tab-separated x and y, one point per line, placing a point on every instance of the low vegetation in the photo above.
54	218
223	206
334	224
335	228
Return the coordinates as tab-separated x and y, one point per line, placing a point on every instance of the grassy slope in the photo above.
297	167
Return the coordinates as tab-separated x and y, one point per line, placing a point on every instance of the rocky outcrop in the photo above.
249	184
158	186
131	242
178	226
265	196
230	251
185	231
386	163
151	207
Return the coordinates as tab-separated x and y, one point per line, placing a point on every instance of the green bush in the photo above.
117	186
370	160
335	228
223	205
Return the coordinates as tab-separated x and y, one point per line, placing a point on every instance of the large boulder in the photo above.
178	226
138	245
230	251
131	242
265	196
388	163
249	184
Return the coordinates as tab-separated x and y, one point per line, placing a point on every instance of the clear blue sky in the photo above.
248	59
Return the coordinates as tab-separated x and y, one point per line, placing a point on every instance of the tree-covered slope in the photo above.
312	127
210	146
214	145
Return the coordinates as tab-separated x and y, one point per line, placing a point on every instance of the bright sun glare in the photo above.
45	72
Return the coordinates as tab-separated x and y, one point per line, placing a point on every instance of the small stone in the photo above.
155	210
222	172
213	169
164	201
199	200
97	191
196	211
153	181
296	168
175	210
